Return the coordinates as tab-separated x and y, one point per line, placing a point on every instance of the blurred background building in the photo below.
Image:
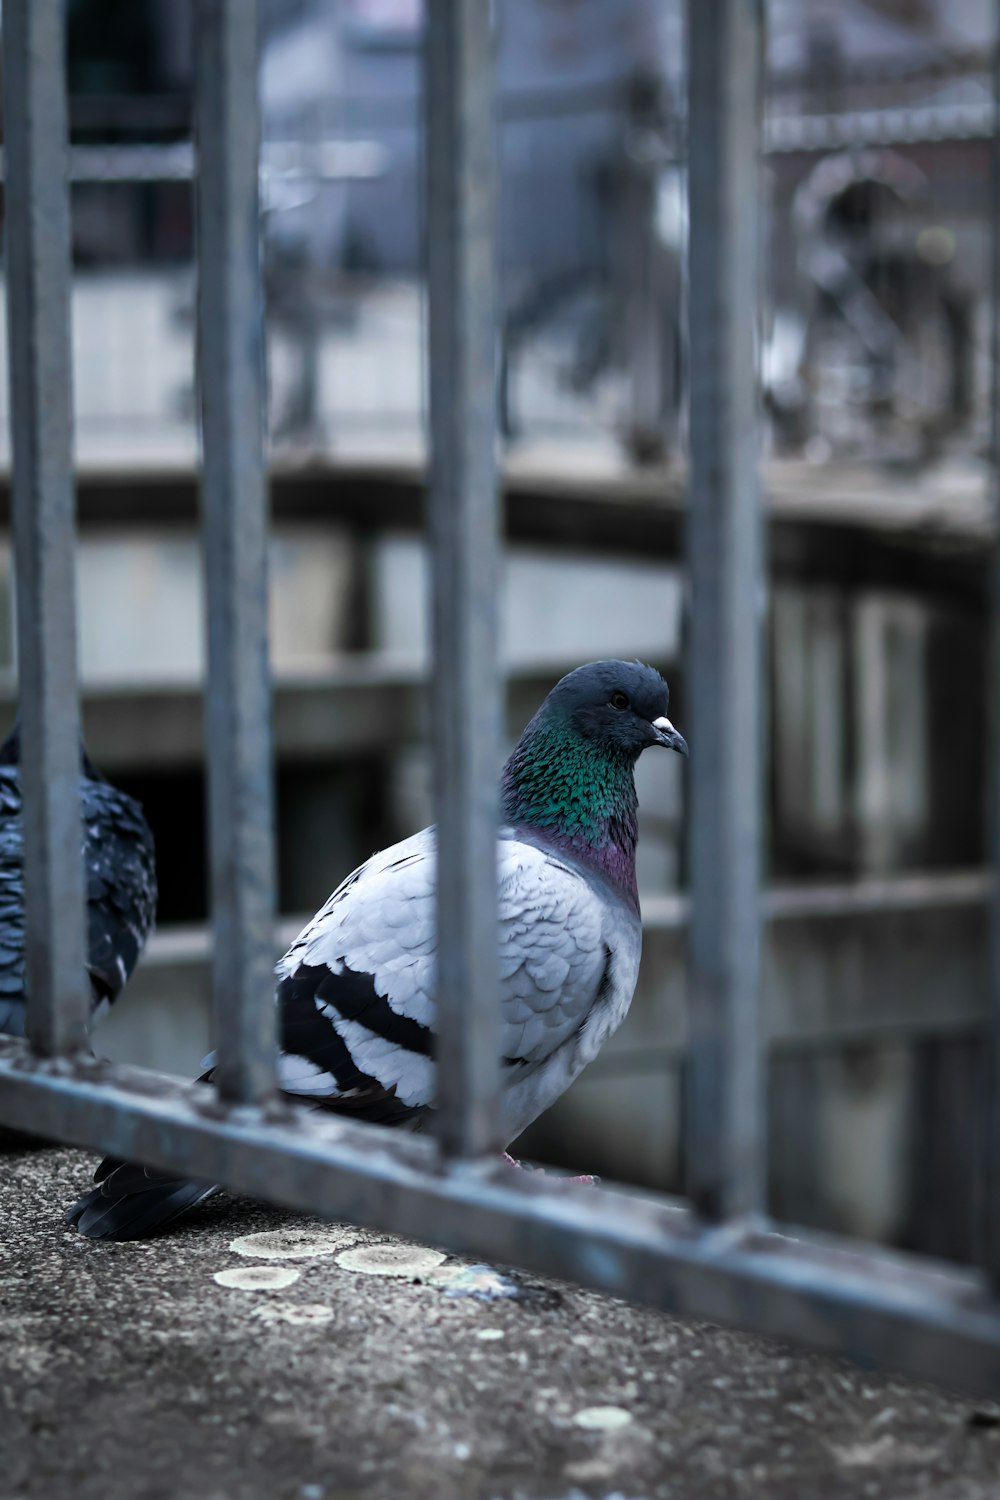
874	347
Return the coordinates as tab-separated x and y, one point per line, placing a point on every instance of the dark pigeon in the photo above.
355	994
120	874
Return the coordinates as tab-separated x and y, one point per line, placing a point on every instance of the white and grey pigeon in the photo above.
355	997
119	879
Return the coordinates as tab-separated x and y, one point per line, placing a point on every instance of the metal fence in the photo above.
717	1258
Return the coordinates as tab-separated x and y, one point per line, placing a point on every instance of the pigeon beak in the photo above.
668	737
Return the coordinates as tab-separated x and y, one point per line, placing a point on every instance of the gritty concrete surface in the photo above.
214	1366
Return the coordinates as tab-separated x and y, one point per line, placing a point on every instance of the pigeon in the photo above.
120	877
355	992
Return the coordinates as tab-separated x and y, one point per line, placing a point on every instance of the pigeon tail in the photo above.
131	1202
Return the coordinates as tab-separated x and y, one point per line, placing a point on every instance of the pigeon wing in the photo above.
120	873
367	962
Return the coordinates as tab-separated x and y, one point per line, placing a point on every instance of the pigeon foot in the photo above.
586	1181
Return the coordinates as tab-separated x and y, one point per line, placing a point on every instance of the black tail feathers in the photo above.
131	1202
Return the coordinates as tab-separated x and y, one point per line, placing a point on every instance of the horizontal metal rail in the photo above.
831	525
923	1320
364	161
890	125
285	161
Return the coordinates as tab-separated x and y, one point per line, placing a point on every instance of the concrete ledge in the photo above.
134	1372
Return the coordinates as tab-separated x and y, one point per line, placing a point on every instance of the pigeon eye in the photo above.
618	700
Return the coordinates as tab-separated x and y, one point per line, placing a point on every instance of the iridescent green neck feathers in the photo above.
579	795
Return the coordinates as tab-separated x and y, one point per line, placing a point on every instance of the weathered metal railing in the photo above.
722	1262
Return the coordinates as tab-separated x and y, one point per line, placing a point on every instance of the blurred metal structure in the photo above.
721	1263
175	162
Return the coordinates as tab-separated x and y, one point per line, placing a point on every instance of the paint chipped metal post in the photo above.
459	149
234	500
723	1082
37	231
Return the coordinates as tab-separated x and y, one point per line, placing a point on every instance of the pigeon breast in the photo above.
568	951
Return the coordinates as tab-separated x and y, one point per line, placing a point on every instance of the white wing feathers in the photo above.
554	951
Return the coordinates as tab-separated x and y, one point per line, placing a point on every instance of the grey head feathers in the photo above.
612	705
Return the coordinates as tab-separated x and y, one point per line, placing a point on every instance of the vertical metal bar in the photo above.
459	145
234	500
990	1188
723	1093
38	271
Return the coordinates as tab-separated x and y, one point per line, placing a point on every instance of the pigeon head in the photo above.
570	778
620	707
